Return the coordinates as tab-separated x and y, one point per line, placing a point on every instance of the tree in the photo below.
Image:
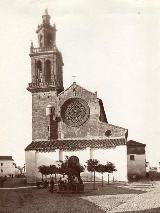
91	167
110	168
101	169
54	170
47	170
42	170
72	168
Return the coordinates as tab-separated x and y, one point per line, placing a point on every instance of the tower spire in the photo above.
46	60
46	11
46	17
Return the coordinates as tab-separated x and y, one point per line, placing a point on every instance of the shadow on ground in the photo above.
15	182
153	210
40	201
111	189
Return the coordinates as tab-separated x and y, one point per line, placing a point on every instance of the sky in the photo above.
112	46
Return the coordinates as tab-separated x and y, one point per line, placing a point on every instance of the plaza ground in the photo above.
117	197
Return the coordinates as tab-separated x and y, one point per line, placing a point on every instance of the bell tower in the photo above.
46	60
46	81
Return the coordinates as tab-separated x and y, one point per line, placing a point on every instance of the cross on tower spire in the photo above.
74	78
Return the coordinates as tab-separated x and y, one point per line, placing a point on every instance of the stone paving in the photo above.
147	202
116	198
144	202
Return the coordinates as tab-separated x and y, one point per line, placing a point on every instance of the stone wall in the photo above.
39	119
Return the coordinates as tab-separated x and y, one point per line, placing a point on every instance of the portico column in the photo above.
91	153
60	155
31	166
36	165
43	70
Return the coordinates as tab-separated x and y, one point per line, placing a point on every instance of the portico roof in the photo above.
73	145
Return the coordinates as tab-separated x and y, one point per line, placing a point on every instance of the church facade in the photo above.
68	121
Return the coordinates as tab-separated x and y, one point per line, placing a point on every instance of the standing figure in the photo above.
51	185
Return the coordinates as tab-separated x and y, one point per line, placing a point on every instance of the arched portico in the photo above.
105	150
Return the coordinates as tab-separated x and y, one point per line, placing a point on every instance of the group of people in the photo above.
63	183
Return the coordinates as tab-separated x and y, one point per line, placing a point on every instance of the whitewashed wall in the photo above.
118	156
137	166
8	167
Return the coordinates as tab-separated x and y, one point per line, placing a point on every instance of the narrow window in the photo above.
132	157
48	71
49	40
1	164
39	71
2	170
40	40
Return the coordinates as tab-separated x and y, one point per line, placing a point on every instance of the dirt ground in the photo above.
135	197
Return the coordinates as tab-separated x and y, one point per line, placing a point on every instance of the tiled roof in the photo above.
134	143
6	158
73	145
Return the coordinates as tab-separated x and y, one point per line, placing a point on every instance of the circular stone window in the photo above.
75	112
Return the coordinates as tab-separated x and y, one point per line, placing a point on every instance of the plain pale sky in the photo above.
112	46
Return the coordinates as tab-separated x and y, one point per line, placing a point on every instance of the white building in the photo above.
7	166
136	159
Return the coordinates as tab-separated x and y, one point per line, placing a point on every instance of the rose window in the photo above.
75	112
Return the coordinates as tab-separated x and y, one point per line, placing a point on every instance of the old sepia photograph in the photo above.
79	106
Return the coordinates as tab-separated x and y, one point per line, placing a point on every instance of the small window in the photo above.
2	170
132	157
1	164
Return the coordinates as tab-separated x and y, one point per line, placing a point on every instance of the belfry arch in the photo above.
39	70
49	40
47	66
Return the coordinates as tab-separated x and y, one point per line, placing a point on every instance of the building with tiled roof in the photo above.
7	166
68	121
136	159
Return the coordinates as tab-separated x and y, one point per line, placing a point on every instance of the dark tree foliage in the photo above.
101	169
72	168
43	170
92	167
110	168
54	170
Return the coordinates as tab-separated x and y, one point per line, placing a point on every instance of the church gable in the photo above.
83	116
77	91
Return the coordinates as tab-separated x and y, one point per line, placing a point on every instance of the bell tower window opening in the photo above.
49	40
48	71
39	71
40	40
